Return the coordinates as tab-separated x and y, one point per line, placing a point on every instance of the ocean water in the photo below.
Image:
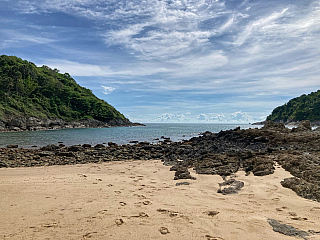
119	135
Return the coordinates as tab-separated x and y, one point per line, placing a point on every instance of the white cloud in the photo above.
107	90
259	25
78	69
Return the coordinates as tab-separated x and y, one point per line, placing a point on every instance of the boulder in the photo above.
303	126
12	146
233	186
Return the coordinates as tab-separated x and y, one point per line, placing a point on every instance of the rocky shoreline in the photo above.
36	124
290	123
256	151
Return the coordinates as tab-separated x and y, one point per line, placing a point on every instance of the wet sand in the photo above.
140	200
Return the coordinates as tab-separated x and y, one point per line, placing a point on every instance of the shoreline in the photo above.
255	151
21	124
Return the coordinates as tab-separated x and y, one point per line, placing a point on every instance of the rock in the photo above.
234	186
65	154
302	188
183	173
182	183
303	126
99	146
287	229
273	125
86	145
212	213
51	147
45	153
75	148
3	164
112	144
2	125
19	122
12	146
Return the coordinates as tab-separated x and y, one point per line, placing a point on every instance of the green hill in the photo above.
30	91
305	107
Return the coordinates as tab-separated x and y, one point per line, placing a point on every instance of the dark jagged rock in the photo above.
65	154
51	147
45	153
183	173
12	146
112	144
75	148
99	146
182	183
302	188
273	125
303	126
86	145
233	186
287	229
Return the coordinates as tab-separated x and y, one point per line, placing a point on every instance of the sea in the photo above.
120	135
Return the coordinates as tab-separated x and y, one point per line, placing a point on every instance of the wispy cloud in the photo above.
107	90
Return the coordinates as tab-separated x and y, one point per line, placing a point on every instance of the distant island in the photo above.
305	107
38	98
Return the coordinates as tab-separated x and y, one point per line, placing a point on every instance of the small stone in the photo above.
212	213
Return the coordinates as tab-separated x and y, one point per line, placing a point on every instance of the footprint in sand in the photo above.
295	217
102	211
213	238
89	235
147	202
123	203
119	221
314	209
164	230
281	209
139	196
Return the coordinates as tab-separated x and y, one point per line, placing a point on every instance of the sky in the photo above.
209	61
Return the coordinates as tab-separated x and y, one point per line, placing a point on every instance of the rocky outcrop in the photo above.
255	151
303	126
35	124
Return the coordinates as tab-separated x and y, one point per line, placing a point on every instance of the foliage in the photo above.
31	91
305	107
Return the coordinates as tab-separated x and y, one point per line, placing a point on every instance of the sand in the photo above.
140	200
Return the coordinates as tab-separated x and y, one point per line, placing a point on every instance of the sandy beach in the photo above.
140	200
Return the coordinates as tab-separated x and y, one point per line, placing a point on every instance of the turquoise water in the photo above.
120	135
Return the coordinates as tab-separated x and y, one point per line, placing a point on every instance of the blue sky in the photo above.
174	60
